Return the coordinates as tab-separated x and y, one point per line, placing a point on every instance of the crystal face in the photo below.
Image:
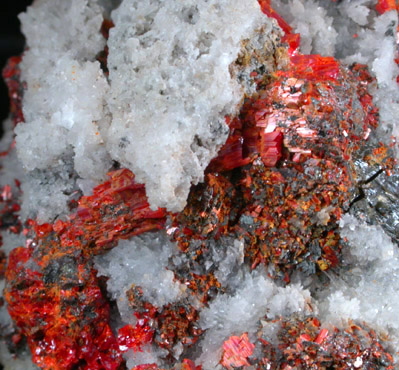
201	185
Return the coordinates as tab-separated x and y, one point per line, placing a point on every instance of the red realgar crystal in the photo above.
52	291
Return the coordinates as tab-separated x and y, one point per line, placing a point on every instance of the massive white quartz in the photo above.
161	112
256	296
318	36
141	262
63	103
64	98
367	288
171	87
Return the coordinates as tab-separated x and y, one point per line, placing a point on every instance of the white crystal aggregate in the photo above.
148	355
228	262
161	112
256	297
67	102
63	103
140	262
386	97
318	36
47	192
40	188
172	86
367	289
358	10
65	91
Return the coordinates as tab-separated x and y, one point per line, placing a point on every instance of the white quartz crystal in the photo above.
310	20
171	87
63	101
377	46
161	112
63	104
66	27
357	10
140	262
367	289
256	297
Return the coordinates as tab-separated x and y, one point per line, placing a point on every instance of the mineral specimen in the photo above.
276	244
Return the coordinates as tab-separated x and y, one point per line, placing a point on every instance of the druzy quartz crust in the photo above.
201	185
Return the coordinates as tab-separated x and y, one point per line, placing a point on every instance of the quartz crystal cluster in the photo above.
201	185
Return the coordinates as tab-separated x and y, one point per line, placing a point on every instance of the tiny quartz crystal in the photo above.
201	185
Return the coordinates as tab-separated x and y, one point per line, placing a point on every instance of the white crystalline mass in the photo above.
142	262
63	103
357	10
229	261
239	313
350	18
161	112
62	108
368	289
46	193
310	20
171	87
377	47
66	27
40	188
